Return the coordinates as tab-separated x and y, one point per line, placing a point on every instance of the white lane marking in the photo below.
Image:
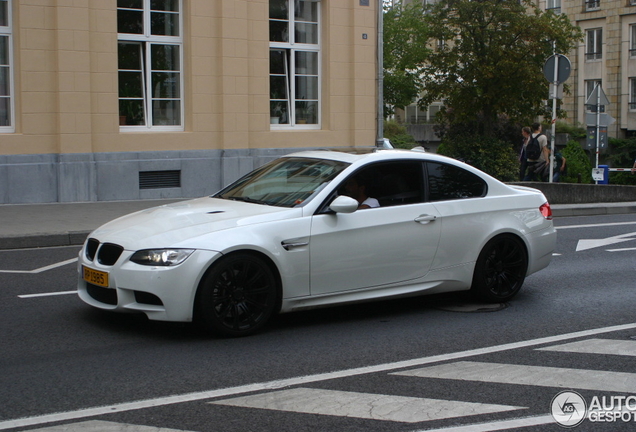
103	426
595	225
621	249
278	384
28	296
497	425
597	346
41	269
542	376
363	405
585	244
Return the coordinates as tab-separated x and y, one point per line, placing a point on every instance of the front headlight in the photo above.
161	257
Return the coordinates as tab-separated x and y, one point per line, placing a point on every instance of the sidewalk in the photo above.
63	224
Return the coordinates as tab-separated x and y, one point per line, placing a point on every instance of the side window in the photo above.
448	182
390	183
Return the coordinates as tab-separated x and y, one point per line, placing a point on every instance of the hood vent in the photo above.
159	179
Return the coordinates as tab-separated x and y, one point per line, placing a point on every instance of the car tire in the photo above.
237	296
500	269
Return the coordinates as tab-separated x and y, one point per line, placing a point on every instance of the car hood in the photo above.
172	224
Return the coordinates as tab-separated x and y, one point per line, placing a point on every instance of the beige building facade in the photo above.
606	55
136	99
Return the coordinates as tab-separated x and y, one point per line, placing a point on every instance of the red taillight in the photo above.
546	211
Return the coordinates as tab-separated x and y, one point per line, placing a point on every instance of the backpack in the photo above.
533	148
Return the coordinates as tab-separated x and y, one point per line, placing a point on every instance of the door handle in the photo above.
424	219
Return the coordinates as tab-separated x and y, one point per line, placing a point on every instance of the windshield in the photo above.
287	182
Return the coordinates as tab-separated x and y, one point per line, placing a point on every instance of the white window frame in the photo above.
147	40
632	41
592	5
594	48
554	6
7	32
632	95
292	48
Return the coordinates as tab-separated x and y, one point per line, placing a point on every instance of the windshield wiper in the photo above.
247	200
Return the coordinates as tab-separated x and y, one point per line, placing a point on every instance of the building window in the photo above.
594	45
150	56
592	5
6	68
554	6
632	40
632	94
294	80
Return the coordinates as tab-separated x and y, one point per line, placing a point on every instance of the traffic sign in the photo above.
594	97
563	66
604	119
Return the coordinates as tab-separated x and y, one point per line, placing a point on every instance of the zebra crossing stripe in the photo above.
542	376
103	426
597	346
363	405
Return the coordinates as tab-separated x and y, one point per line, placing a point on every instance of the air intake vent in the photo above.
159	179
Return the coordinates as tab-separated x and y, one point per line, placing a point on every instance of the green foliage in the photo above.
398	135
490	155
577	162
405	49
491	63
576	132
622	154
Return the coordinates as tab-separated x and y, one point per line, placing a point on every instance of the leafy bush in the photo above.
577	162
398	135
622	153
576	132
493	156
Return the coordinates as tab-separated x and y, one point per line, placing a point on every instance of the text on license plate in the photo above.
95	277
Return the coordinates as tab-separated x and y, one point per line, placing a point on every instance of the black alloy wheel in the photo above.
500	269
237	296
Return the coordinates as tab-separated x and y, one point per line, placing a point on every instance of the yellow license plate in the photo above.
95	277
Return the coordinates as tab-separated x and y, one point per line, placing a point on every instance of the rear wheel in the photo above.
500	269
237	296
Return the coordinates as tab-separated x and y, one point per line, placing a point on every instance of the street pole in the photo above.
598	125
379	138
554	112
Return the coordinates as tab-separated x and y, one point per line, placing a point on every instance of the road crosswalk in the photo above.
374	406
408	409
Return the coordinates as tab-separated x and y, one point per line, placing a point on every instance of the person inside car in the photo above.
356	188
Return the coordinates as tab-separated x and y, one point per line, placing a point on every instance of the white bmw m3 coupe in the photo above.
320	228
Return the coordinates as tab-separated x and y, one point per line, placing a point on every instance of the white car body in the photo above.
318	259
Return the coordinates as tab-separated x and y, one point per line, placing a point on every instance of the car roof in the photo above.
357	154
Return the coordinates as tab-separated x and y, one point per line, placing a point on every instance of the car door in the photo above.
393	243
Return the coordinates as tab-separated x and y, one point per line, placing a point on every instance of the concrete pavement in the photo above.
63	224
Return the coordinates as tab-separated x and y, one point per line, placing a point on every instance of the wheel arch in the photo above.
264	257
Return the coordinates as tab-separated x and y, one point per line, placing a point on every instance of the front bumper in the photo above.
162	293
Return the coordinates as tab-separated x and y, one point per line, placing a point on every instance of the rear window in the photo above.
448	182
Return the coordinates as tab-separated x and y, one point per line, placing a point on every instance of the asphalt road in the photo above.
406	365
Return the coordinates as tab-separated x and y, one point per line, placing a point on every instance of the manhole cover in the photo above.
472	307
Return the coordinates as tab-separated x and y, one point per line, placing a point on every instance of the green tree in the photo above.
622	154
489	59
398	135
405	50
579	168
494	156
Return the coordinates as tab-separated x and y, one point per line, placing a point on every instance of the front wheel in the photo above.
500	269
237	296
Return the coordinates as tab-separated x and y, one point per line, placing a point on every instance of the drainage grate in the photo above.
159	179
